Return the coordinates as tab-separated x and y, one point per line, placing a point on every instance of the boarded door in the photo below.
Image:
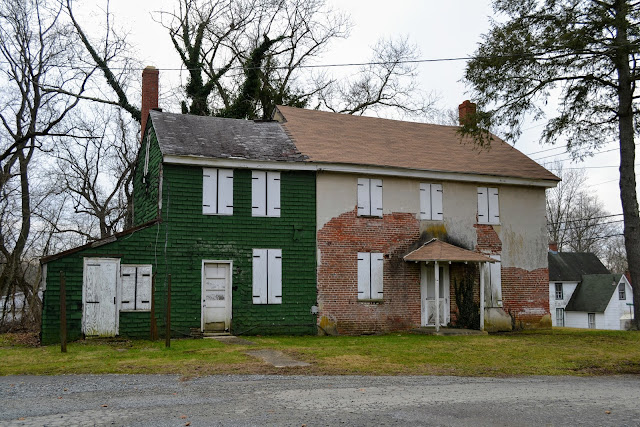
216	297
99	292
428	293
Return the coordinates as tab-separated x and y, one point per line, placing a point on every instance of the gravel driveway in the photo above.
164	400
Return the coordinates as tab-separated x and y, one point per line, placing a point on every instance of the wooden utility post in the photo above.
152	321
167	333
63	313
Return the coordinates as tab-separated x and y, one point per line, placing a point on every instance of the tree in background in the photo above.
585	54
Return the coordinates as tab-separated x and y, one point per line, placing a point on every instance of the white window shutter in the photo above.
494	206
258	196
376	197
496	282
260	276
274	280
225	191
377	262
273	194
128	295
425	201
209	191
364	197
143	292
364	275
483	205
436	202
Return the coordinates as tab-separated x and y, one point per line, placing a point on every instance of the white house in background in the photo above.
565	273
601	301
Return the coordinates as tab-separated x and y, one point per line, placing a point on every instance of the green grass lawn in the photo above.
542	352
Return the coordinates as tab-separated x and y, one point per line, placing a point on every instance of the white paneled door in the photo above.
428	294
99	297
216	296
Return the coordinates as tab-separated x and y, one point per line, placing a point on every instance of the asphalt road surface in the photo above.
236	400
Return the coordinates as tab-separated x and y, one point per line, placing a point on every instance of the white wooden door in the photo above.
99	297
428	295
216	296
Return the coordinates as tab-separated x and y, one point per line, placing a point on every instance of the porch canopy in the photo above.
437	251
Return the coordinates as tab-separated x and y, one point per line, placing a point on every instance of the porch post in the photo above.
483	266
437	277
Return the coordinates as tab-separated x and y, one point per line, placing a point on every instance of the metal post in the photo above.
63	313
167	333
483	266
437	277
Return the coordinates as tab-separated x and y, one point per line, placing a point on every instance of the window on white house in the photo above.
559	316
431	201
369	197
591	320
559	292
488	206
621	292
370	278
265	193
136	287
217	191
267	276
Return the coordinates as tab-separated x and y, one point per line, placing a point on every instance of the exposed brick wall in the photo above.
488	240
525	294
339	242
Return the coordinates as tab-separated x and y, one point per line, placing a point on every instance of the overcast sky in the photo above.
441	29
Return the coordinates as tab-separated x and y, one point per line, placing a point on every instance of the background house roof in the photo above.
571	266
204	136
593	293
437	250
343	138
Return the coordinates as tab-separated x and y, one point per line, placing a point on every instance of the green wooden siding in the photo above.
145	188
185	237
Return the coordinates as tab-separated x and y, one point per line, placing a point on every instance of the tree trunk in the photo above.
628	194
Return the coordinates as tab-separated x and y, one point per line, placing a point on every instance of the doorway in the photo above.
428	294
216	296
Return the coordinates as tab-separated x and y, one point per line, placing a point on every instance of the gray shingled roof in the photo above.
593	293
571	266
187	135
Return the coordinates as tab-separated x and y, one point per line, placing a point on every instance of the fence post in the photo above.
167	334
152	323
63	313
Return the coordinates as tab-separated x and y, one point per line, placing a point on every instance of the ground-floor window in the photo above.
591	320
559	316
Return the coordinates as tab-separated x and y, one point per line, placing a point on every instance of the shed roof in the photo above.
593	293
437	250
571	266
344	138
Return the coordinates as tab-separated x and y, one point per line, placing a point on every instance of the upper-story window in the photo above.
217	191
621	292
431	201
369	197
488	206
265	193
370	283
559	291
267	276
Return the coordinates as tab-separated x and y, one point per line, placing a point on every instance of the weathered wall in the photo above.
146	189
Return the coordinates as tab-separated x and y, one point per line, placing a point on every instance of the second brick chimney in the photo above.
467	108
149	94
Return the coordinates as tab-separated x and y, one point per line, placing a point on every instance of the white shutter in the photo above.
496	282
364	275
258	196
483	205
436	202
225	191
128	295
364	198
425	201
259	276
143	291
273	194
376	197
377	261
209	191
494	206
274	280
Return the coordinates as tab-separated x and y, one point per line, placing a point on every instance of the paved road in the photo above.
163	400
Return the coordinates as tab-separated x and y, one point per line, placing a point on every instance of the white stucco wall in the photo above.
567	288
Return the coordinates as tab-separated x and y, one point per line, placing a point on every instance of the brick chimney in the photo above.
465	109
553	247
149	94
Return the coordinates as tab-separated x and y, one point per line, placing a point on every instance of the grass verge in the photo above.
544	352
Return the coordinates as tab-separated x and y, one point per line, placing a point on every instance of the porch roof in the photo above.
437	250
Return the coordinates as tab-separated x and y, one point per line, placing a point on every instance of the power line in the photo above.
583	219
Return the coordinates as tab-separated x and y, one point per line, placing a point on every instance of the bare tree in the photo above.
615	257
